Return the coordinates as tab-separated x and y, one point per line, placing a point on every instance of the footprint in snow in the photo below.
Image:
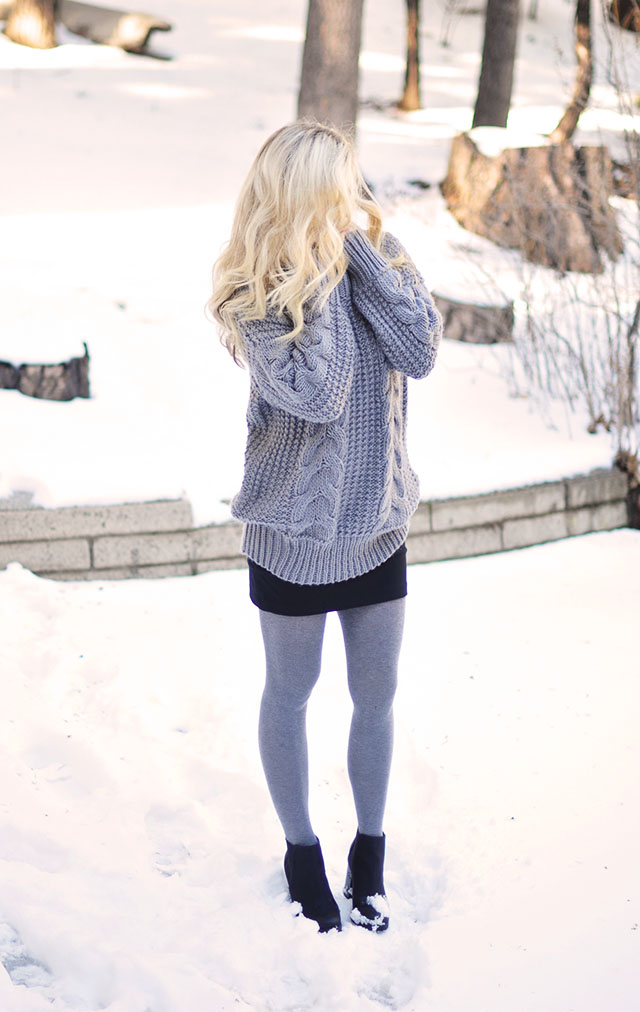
393	989
23	968
177	836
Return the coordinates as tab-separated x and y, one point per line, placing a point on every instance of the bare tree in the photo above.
625	13
452	11
329	79
584	53
498	59
411	96
32	23
581	335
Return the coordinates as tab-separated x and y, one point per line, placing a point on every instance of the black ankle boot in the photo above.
304	868
365	882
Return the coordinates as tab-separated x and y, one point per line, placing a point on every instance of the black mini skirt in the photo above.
386	582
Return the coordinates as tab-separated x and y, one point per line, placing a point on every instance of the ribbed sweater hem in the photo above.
309	562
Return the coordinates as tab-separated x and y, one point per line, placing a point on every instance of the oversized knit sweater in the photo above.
328	489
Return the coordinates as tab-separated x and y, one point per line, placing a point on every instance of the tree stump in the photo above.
473	323
625	13
61	382
550	202
31	23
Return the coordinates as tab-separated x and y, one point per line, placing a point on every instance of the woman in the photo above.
330	319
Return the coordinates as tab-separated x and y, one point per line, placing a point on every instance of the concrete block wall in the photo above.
517	518
157	539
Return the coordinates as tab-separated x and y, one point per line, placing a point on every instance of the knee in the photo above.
374	695
287	693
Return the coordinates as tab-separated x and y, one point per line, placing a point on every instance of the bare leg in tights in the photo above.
293	650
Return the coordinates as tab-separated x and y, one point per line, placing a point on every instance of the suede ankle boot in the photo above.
304	869
365	882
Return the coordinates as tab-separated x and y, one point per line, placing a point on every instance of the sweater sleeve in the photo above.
396	303
310	376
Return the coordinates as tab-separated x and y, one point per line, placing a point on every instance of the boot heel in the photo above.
348	885
365	882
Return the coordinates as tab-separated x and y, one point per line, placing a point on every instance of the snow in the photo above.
491	141
141	860
111	243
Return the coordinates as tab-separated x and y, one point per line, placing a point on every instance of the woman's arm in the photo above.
312	377
396	303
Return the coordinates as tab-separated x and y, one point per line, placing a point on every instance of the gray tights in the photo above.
293	650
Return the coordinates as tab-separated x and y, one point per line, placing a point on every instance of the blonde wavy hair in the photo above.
286	250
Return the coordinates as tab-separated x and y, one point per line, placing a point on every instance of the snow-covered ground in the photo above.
140	858
118	178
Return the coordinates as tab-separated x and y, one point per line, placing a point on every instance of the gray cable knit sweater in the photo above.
328	489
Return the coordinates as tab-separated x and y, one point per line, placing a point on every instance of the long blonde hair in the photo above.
286	249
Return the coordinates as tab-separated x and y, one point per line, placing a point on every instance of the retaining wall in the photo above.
154	539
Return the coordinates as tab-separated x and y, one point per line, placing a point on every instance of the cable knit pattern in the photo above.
311	378
328	490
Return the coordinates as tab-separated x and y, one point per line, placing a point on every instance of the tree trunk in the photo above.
498	59
410	100
32	23
329	79
567	125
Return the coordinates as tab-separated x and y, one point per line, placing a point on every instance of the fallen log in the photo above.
61	382
128	30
